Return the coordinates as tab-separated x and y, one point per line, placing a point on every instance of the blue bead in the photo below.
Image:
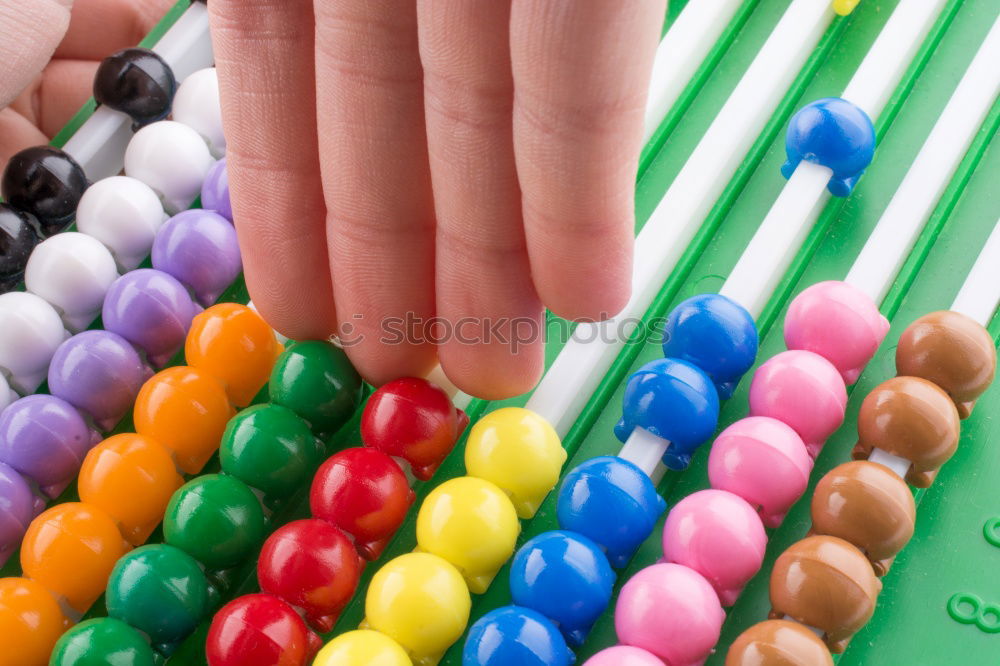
835	133
672	399
613	503
716	334
514	635
565	577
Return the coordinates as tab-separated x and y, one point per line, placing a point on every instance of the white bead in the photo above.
172	159
124	214
30	332
72	271
197	105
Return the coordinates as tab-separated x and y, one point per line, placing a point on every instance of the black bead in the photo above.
17	239
136	82
47	183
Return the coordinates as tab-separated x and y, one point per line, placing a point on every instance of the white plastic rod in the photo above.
781	234
979	296
644	449
582	363
681	52
912	204
898	465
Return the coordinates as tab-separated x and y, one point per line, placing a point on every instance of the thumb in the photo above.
29	34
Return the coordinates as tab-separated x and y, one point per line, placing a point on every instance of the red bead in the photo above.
310	564
364	493
259	630
413	419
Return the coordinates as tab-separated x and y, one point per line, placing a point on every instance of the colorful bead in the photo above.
362	648
215	190
514	635
131	478
30	332
137	82
613	503
46	183
17	239
30	622
197	105
199	248
518	451
845	7
778	643
186	410
17	508
124	214
102	641
259	630
624	655
316	380
172	159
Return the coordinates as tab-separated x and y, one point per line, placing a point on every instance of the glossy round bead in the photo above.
670	611
805	391
720	536
172	159
197	105
315	380
199	248
624	655
362	648
312	565
131	478
215	190
235	345
137	82
763	461
17	508
30	622
150	309
565	577
124	214
613	503
515	635
412	419
185	410
102	641
45	439
71	549
98	372
30	332
421	602
159	590
364	493
714	333
473	525
259	630
44	182
518	451
674	400
18	238
778	643
216	519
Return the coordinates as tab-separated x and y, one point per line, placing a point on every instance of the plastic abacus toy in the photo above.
780	453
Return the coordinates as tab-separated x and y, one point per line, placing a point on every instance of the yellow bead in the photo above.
473	525
421	602
518	451
844	7
362	648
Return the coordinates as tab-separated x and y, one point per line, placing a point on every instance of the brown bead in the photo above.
951	350
778	643
827	583
867	505
911	418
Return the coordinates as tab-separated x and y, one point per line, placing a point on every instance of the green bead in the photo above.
270	448
102	641
316	381
216	519
160	590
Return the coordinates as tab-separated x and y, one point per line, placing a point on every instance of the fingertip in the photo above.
494	372
380	364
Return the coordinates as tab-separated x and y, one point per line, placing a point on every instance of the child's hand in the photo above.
465	159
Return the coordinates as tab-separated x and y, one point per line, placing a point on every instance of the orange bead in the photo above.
70	549
130	477
30	623
234	344
186	410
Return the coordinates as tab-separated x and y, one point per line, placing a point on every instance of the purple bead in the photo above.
98	372
150	309
17	508
215	190
45	439
199	248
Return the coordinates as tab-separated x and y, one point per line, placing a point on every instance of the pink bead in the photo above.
839	322
763	461
671	611
805	391
720	536
623	655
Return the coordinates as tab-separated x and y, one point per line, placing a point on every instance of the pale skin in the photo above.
445	158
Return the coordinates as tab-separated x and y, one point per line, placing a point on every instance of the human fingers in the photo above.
16	134
30	33
98	28
55	96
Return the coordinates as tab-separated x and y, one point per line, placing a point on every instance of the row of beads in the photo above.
863	513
